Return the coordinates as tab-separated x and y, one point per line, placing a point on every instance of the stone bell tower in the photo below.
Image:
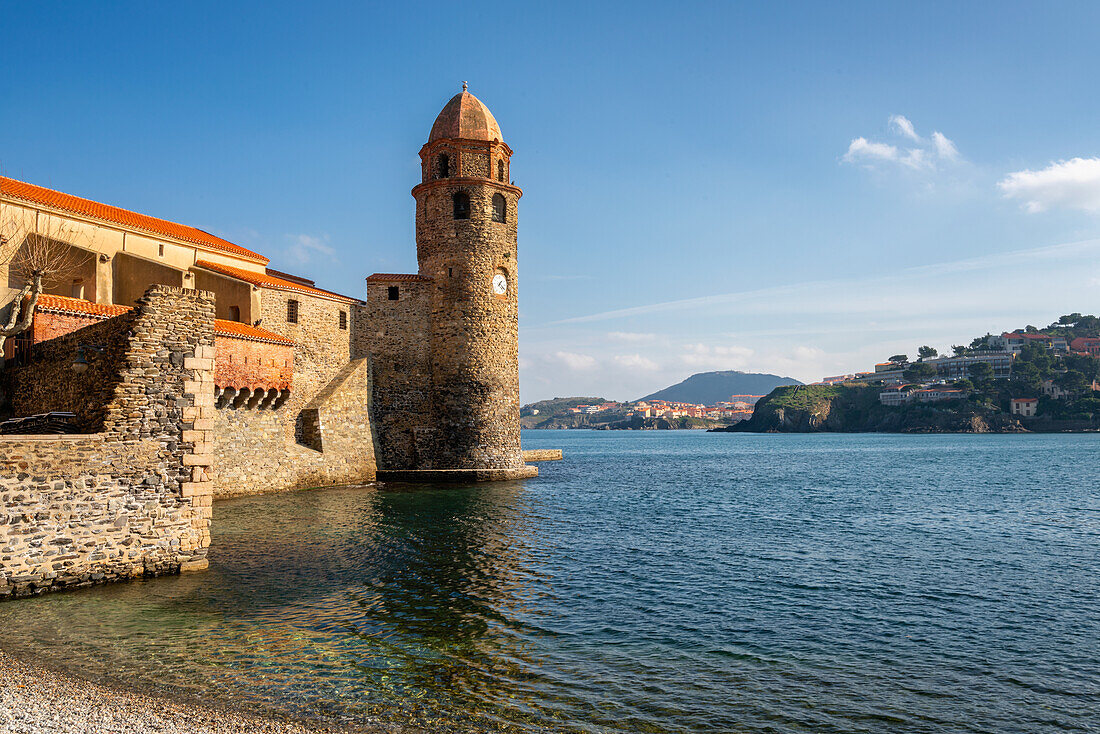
466	215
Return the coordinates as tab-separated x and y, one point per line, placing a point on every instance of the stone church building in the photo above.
192	370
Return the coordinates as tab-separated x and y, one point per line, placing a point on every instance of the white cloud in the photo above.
808	354
716	357
916	159
631	337
917	154
862	149
575	361
905	127
944	147
637	362
1072	184
304	248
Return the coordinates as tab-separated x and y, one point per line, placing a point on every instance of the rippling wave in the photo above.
652	582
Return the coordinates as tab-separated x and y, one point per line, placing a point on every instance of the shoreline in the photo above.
36	697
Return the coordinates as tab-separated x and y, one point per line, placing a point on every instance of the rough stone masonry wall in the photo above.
253	454
134	499
401	361
321	347
474	333
46	381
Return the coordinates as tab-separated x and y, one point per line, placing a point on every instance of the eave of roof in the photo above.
80	307
237	330
398	277
32	194
264	280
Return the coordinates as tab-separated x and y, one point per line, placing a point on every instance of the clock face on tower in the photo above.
500	284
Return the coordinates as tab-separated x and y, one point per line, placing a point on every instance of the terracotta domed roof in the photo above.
465	117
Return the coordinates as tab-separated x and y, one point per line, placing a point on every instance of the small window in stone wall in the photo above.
160	250
500	208
462	205
344	320
500	170
394	293
234	313
444	166
292	311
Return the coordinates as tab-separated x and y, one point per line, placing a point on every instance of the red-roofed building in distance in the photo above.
1025	407
1086	345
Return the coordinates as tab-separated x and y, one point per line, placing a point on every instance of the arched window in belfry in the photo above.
444	165
462	205
500	169
500	208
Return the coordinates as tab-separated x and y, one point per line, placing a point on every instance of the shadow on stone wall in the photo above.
133	499
47	382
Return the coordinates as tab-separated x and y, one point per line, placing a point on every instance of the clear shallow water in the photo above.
652	582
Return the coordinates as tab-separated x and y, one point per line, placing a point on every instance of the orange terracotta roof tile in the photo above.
266	280
104	212
63	304
398	277
238	330
466	117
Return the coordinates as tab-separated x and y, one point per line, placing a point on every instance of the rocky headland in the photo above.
856	409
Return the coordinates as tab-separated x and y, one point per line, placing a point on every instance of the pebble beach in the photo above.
34	700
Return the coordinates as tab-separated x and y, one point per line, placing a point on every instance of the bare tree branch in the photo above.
44	252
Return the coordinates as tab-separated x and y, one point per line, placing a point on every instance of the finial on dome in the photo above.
464	86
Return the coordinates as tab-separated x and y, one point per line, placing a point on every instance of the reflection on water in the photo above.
657	583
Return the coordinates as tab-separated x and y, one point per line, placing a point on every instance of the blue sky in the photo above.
801	188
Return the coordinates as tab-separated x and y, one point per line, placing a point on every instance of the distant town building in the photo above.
898	395
935	394
956	368
1014	341
1053	390
1025	407
904	394
1086	345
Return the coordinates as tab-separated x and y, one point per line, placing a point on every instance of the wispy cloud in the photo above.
716	357
304	249
1072	184
902	124
574	361
631	337
637	362
861	150
945	149
914	152
853	287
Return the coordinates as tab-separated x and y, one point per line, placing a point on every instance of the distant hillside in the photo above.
714	387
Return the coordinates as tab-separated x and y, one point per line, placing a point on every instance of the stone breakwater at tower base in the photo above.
444	342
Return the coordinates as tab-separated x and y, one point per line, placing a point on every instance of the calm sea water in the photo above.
652	582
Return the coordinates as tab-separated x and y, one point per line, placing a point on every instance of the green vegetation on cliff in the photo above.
555	413
855	408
